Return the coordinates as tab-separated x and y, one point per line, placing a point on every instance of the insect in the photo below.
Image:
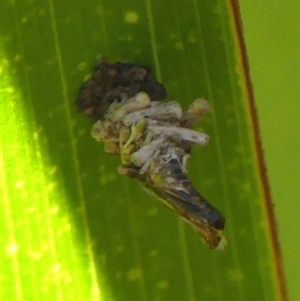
153	138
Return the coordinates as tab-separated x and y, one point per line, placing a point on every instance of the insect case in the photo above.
153	137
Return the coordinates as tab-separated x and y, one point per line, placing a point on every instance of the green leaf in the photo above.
72	228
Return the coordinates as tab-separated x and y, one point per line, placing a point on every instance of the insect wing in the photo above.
208	222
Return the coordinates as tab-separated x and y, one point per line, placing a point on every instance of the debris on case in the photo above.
153	138
115	83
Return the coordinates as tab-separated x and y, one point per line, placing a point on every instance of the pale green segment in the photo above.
63	198
41	257
273	47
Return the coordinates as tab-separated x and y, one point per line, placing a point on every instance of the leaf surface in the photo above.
72	228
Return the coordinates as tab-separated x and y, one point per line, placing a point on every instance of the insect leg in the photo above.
131	171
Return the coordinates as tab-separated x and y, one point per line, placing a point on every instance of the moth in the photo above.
153	138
